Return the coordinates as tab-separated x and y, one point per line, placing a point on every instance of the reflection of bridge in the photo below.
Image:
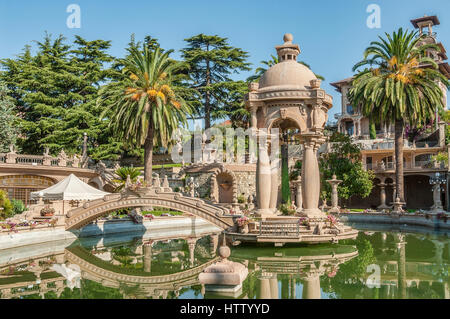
155	196
93	268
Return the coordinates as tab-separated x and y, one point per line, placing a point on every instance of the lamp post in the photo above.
437	180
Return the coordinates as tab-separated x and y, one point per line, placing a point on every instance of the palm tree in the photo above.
122	176
146	104
273	60
401	86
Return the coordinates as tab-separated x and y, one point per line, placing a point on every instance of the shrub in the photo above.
241	199
6	207
287	209
18	206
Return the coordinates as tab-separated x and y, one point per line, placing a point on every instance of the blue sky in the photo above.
332	34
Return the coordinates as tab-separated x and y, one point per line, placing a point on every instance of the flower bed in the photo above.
26	225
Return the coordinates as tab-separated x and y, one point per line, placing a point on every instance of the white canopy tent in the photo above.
70	188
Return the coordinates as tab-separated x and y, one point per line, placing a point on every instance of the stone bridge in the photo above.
154	197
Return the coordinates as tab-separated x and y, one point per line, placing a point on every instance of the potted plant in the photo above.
242	223
304	221
288	209
331	220
47	211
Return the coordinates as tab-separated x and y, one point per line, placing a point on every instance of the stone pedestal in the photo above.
437	205
223	275
334	182
299	195
382	196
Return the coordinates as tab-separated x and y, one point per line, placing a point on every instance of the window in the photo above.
350	109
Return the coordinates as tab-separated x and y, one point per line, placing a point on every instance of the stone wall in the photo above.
246	183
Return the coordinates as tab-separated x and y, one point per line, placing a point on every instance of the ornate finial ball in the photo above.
224	252
288	38
334	176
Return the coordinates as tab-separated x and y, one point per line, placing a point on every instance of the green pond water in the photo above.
379	264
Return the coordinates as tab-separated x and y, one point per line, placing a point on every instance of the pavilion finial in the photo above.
288	51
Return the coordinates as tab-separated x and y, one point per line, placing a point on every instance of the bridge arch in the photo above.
92	210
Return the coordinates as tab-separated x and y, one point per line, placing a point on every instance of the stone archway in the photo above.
223	186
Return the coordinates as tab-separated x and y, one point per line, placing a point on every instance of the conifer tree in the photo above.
211	61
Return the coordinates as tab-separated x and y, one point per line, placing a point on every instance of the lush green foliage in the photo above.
343	160
146	107
397	88
123	174
18	206
9	129
6	207
211	61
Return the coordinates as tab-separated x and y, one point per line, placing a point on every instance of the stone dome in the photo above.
287	74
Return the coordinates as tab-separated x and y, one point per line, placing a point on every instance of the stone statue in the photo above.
62	158
192	187
156	181
12	149
128	182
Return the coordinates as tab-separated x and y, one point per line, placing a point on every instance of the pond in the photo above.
379	264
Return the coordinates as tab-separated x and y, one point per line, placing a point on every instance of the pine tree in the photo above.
55	92
211	61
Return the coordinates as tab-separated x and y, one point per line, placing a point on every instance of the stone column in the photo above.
382	196
401	267
311	287
274	178
311	177
191	244
292	284
254	121
214	241
274	287
264	289
147	250
263	182
299	195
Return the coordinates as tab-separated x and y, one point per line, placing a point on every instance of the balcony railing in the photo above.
379	167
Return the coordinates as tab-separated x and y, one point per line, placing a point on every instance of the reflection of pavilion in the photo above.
400	273
307	268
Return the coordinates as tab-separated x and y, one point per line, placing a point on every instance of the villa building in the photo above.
378	151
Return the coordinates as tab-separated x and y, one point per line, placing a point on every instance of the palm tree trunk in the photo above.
148	155
399	159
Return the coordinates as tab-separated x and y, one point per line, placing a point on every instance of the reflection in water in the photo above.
411	266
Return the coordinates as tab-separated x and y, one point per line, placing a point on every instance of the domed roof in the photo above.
287	74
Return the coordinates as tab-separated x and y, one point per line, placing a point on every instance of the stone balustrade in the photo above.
61	160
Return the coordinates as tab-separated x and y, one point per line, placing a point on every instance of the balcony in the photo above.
380	167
